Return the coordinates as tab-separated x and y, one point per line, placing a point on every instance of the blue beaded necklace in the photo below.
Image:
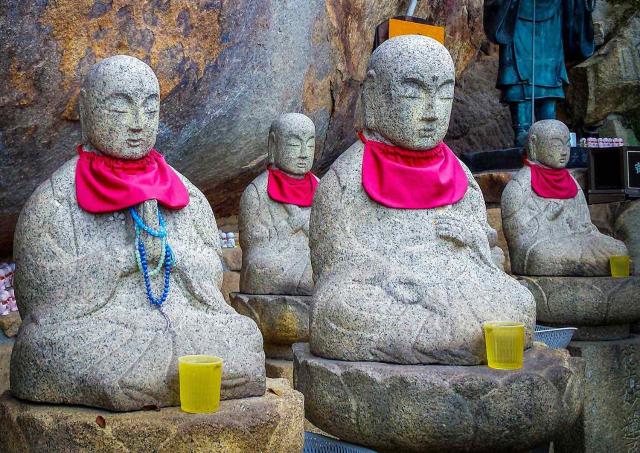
141	256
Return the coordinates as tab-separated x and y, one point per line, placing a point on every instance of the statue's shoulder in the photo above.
348	166
260	182
59	187
522	177
254	190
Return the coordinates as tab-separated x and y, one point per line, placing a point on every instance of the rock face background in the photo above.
226	69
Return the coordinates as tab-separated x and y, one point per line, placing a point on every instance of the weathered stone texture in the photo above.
271	423
232	259
610	420
585	301
282	320
607	85
10	324
5	363
441	408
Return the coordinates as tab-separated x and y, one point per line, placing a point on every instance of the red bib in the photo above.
405	179
286	189
106	184
552	182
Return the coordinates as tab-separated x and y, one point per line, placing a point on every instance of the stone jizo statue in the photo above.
274	213
110	298
545	215
400	244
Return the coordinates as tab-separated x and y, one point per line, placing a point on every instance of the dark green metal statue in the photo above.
534	38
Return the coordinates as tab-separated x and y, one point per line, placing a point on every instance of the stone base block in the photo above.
436	408
586	301
281	369
5	362
283	320
10	324
610	421
271	423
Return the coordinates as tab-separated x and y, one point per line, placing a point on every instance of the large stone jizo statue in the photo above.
400	244
535	38
111	297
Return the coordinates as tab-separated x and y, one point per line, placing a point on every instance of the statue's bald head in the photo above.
292	143
549	143
408	92
119	106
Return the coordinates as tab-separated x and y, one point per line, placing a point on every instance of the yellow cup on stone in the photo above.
505	344
620	266
200	381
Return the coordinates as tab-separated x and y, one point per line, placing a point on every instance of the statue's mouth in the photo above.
133	142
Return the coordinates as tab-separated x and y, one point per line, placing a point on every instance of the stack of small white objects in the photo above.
227	240
7	296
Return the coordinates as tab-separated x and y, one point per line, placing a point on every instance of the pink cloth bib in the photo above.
406	179
106	184
286	189
552	182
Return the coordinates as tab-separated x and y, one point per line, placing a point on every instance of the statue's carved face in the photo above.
409	92
120	107
549	143
292	143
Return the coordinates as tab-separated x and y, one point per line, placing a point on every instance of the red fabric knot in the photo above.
284	188
106	184
406	179
552	182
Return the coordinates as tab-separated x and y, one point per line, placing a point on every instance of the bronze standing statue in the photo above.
535	36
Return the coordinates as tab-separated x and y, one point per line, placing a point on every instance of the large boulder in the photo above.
226	69
605	90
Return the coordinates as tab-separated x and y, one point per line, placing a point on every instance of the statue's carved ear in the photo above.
532	142
272	148
81	114
369	117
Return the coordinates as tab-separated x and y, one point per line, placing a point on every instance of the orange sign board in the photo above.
399	27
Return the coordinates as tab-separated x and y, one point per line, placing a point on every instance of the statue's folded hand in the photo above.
554	210
453	230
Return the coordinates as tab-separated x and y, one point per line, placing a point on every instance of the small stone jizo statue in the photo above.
545	215
274	213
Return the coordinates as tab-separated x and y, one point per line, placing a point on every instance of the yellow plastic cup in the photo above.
505	344
620	266
200	379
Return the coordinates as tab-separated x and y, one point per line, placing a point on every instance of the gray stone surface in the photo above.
438	408
609	81
610	420
274	236
283	320
549	236
627	228
273	422
397	285
89	335
585	301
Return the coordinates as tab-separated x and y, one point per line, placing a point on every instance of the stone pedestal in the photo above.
610	421
283	320
273	423
601	307
392	407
